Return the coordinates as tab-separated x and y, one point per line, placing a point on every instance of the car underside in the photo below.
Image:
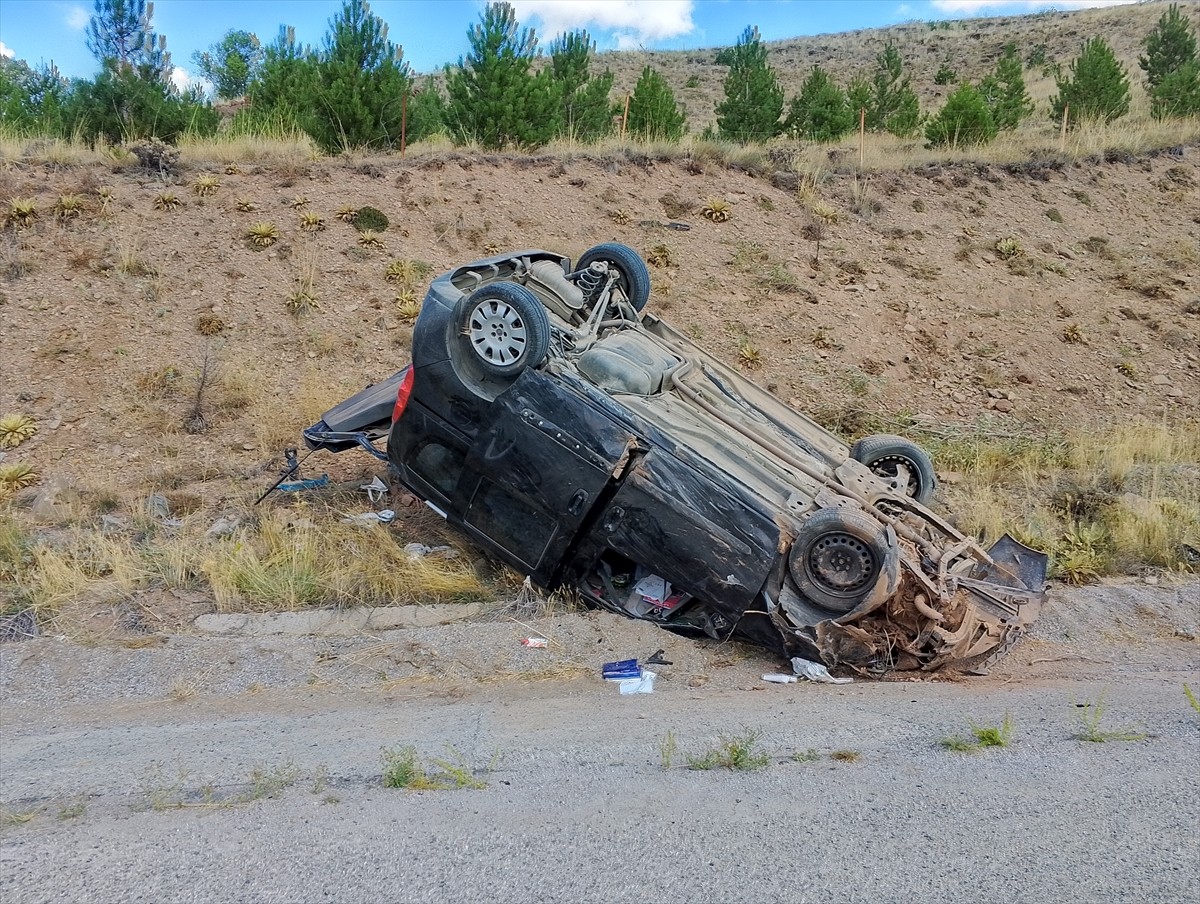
594	446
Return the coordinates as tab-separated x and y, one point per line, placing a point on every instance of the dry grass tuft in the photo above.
339	564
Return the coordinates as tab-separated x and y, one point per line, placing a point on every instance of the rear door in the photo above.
543	459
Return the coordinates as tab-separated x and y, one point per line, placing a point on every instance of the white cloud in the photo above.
6	51
970	7
77	17
183	79
633	22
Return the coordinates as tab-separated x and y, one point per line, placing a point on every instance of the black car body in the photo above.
593	446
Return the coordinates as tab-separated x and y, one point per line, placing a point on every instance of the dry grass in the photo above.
1108	501
280	567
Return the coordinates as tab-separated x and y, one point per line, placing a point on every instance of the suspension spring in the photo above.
591	282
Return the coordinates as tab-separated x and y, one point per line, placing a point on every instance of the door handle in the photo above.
575	506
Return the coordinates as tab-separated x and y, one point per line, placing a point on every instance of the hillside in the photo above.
970	46
1087	312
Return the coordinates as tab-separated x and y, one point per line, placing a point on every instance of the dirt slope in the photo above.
1091	318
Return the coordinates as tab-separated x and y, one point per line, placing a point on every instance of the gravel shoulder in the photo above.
262	782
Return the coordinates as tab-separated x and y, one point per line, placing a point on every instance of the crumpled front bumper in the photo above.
963	618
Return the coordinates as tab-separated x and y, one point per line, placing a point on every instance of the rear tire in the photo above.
838	557
502	329
633	276
883	452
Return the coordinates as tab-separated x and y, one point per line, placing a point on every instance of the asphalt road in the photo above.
277	795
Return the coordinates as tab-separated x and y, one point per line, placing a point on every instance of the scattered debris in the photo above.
814	671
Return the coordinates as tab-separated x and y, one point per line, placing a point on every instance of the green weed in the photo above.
402	768
735	752
667	748
982	736
1091	718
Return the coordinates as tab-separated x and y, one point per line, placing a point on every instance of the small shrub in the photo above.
1009	248
16	476
106	195
661	256
846	756
945	75
1053	215
491	248
68	207
311	221
749	356
298	203
244	205
209	324
167	201
370	239
1073	335
805	756
263	235
155	154
620	217
347	214
407	272
370	219
16	429
716	209
21	213
206	185
302	301
407	306
823	213
1191	698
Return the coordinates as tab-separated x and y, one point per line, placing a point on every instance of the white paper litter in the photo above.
781	679
383	517
653	589
814	671
375	489
643	685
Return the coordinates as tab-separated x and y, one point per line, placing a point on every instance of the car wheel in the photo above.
504	328
885	454
633	278
837	558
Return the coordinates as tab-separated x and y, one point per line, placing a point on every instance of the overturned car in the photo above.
591	445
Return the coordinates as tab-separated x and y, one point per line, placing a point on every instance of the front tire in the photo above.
838	557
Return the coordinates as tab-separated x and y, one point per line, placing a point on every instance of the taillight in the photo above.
403	393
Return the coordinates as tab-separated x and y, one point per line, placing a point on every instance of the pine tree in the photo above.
894	106
1169	46
121	36
426	112
493	97
1004	91
231	64
1097	87
360	83
753	99
585	110
279	97
820	111
964	120
653	113
1172	67
1178	94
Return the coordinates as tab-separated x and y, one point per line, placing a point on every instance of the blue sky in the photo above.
433	32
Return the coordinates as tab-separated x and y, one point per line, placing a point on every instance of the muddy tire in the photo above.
883	454
633	276
838	557
502	329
